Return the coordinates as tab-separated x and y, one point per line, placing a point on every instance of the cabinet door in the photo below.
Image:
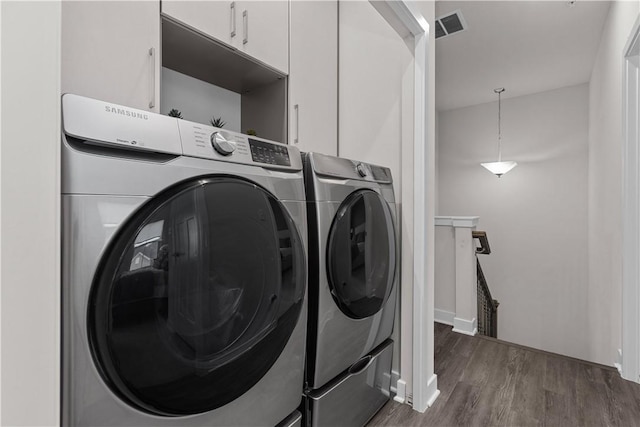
263	30
110	51
313	78
218	19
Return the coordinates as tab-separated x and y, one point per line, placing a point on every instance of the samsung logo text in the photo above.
127	113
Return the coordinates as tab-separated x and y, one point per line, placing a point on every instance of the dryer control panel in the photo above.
207	142
350	169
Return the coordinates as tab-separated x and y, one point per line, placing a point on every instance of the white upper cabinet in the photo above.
110	51
215	18
313	78
263	29
259	29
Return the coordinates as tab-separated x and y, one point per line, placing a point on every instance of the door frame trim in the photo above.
630	363
419	381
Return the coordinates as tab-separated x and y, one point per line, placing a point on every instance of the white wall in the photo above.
605	185
535	216
199	101
375	96
30	222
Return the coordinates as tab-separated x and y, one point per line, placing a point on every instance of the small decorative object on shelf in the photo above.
217	122
251	132
175	113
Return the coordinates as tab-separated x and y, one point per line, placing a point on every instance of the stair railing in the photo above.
487	306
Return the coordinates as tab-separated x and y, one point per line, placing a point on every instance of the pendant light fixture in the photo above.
499	168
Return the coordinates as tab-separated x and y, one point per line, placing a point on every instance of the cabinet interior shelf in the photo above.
263	90
190	52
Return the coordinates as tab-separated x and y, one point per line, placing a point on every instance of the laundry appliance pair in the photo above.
185	276
184	272
353	275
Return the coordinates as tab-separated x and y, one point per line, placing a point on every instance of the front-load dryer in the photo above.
184	272
353	274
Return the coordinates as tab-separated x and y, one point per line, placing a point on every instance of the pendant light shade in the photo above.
499	168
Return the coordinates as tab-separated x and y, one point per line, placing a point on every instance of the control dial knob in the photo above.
362	170
222	144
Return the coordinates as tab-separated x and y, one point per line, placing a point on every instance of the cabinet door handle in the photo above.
296	110
233	19
152	77
245	25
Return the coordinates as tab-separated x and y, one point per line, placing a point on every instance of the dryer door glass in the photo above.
361	254
197	296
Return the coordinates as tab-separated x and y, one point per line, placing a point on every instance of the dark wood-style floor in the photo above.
486	382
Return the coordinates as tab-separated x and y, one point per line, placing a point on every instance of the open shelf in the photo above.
262	90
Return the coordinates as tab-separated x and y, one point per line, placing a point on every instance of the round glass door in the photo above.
361	254
196	296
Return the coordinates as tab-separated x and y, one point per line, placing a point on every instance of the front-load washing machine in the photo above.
353	274
184	272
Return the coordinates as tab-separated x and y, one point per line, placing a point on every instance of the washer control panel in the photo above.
268	153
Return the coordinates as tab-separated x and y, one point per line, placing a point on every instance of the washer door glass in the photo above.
361	254
196	296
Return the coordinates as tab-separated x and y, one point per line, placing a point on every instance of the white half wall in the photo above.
30	226
535	216
445	272
605	186
456	278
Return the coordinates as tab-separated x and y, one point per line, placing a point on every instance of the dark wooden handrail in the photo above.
484	248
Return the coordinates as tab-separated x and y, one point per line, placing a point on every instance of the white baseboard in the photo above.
443	316
618	362
464	326
401	391
431	394
432	390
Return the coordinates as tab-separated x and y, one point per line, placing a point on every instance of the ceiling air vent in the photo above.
450	24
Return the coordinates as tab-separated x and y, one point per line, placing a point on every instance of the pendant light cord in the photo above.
499	92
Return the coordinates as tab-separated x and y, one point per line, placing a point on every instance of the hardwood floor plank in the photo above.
528	402
558	409
591	401
622	408
560	375
485	367
487	382
467	405
505	391
450	366
395	414
441	335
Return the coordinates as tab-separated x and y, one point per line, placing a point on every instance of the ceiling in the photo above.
524	46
